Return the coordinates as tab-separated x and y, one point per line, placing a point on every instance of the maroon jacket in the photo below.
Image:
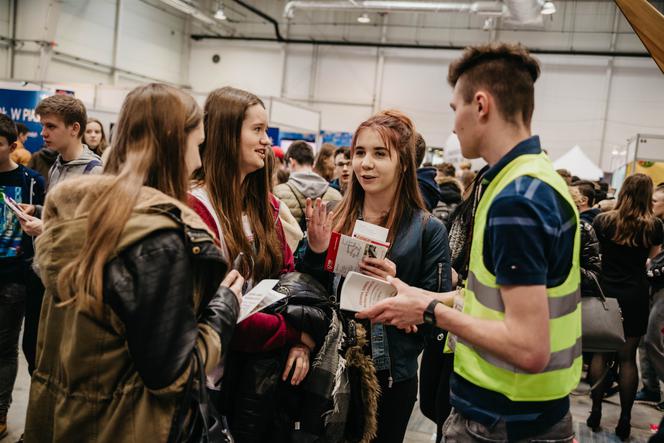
260	332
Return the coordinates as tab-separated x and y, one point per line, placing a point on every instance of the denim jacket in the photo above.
421	254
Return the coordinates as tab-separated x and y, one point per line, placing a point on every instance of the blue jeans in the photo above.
458	429
12	304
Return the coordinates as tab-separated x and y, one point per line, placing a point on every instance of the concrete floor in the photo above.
420	429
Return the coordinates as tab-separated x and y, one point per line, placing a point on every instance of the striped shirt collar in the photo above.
530	145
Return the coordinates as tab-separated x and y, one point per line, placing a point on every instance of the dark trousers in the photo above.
12	303
435	371
394	408
33	303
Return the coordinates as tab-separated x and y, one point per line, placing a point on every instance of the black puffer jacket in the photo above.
591	263
259	406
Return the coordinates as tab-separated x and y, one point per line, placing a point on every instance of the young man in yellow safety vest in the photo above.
518	339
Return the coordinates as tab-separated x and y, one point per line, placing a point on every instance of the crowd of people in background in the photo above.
129	260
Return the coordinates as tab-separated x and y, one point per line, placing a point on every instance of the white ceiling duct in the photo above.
522	12
483	8
191	9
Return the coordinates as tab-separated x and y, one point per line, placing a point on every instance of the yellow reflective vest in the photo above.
482	299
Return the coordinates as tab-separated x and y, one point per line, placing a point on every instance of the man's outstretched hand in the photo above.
405	310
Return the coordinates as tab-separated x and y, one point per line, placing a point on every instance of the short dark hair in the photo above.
603	186
566	175
420	149
21	129
587	189
447	169
507	71
8	129
70	109
344	150
301	152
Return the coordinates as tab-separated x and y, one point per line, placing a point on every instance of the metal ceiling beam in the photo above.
409	45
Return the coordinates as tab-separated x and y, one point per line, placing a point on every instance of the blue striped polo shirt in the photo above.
528	240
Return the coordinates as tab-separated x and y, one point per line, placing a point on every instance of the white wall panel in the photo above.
636	103
5	31
151	42
346	74
254	67
571	94
85	28
569	100
298	72
5	17
343	117
59	71
418	87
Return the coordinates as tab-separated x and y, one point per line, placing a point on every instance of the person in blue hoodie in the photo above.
16	251
426	176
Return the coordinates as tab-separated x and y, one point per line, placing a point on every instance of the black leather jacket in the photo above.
422	256
261	407
591	263
150	287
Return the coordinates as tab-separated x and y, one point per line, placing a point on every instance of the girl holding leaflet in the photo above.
384	191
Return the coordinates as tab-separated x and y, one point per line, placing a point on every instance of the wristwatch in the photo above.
430	312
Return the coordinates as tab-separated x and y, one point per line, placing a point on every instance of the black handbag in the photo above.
602	327
205	424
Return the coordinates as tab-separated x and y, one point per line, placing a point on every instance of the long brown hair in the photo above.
225	111
321	165
398	133
632	220
149	150
103	144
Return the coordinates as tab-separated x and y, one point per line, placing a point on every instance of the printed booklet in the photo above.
345	253
361	291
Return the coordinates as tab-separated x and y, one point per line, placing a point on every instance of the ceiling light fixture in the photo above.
220	15
364	18
548	8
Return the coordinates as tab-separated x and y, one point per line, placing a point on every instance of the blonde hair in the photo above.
576	196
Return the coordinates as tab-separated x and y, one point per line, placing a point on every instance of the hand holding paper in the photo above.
15	208
361	291
234	282
403	311
260	297
379	268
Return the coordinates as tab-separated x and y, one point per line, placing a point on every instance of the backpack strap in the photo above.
90	166
299	203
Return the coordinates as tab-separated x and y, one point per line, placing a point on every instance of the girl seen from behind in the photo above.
628	235
133	303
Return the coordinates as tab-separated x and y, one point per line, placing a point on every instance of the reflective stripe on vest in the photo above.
491	298
482	299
